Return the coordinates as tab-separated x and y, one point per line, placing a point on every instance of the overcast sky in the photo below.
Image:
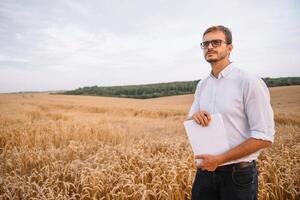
65	44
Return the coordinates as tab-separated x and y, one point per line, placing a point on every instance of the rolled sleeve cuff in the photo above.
262	136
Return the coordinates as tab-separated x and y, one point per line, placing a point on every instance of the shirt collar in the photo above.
225	72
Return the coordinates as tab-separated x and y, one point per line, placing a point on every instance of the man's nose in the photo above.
210	46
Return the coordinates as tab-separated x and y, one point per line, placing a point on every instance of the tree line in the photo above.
146	91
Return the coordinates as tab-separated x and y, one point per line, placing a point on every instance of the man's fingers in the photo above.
196	119
205	119
200	156
201	120
207	114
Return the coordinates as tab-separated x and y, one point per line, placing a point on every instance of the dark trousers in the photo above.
228	183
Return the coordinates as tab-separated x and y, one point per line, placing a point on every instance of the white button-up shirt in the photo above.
243	100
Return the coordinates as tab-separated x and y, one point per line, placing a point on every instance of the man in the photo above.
243	100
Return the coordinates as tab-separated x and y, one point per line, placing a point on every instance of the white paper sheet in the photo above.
211	139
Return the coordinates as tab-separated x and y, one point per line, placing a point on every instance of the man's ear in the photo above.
229	47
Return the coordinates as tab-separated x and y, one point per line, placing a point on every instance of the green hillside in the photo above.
161	89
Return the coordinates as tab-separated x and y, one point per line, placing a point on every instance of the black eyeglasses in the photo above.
214	43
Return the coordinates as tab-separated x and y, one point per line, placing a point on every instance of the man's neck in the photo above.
217	67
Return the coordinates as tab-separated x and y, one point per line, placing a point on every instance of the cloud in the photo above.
71	44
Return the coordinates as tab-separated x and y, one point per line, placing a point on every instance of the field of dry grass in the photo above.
76	147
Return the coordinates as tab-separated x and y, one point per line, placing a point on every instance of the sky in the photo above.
67	44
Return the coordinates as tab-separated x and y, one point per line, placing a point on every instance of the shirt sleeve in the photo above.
196	104
258	109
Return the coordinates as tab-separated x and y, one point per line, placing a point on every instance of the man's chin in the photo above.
211	60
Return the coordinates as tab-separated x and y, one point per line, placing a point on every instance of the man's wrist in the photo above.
222	159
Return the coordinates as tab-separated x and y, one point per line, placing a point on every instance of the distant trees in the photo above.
162	89
274	82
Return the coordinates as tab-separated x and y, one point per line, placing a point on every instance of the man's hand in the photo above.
208	162
251	145
202	117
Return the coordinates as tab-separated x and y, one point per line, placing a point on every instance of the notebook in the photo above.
211	139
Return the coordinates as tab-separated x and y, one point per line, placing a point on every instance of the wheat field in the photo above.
79	147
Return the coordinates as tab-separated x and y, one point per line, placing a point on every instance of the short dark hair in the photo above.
223	29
